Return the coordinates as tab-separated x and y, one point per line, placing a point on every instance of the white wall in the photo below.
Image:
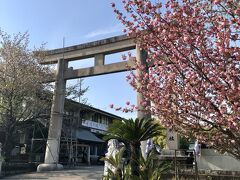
210	159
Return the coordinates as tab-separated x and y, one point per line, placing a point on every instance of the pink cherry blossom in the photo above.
194	66
111	105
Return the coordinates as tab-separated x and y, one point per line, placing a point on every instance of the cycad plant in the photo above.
151	168
132	132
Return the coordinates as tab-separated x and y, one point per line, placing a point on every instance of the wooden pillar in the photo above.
141	57
95	150
55	125
88	155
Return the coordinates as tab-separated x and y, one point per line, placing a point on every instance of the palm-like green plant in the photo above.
151	168
132	132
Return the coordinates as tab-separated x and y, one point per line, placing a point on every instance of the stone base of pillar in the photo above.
49	167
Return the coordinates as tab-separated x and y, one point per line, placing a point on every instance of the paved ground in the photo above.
82	173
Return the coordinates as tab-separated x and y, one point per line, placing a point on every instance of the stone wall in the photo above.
210	159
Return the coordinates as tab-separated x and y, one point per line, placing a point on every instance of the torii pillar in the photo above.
55	126
141	57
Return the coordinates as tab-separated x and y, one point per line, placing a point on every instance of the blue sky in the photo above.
78	21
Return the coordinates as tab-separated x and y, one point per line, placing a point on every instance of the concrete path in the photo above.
82	173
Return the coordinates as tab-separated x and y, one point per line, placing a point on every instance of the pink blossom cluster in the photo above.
129	107
193	77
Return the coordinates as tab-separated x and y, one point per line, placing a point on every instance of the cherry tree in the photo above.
193	77
21	87
24	93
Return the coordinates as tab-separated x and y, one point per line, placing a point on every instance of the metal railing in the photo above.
184	162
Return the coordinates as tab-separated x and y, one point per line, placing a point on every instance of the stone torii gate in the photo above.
96	50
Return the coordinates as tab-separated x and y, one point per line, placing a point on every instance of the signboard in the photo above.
23	149
98	131
172	139
94	125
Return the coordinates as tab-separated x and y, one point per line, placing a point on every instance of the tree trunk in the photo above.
134	158
8	143
6	151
